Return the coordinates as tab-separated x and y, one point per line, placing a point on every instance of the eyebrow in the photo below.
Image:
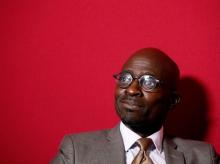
139	75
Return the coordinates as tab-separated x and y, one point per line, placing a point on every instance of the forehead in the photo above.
142	65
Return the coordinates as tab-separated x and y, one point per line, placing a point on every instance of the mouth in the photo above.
131	105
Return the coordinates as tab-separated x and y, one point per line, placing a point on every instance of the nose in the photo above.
134	89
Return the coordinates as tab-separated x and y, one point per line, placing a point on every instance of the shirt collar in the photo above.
129	137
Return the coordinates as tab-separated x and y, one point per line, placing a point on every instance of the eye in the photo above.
148	82
125	79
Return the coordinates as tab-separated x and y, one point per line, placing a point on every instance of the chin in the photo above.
142	127
133	123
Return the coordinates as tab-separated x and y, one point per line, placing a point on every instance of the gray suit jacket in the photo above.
106	147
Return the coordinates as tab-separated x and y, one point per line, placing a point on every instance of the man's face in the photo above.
138	108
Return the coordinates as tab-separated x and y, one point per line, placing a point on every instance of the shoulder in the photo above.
191	145
188	144
75	145
194	150
87	137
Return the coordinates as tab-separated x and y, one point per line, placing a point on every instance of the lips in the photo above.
131	104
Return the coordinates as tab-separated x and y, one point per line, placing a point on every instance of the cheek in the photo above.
118	92
157	100
152	96
157	103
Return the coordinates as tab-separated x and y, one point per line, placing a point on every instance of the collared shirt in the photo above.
156	152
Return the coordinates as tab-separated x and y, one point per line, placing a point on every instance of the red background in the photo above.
58	57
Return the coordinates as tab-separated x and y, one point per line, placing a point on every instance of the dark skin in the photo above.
145	112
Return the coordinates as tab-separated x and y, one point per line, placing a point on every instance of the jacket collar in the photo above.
116	152
172	155
115	148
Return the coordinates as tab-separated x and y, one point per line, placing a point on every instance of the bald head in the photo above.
141	108
156	63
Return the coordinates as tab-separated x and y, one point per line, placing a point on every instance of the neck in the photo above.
143	131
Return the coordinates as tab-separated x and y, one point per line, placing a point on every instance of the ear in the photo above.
175	99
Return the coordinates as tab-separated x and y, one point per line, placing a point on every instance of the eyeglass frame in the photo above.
158	82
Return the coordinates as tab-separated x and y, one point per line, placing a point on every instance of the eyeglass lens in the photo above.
147	82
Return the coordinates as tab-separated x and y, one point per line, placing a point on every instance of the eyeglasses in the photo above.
146	82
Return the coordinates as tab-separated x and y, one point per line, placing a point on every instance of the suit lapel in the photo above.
172	155
115	151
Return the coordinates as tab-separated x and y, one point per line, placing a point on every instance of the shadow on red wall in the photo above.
189	119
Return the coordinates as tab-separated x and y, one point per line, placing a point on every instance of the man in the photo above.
145	92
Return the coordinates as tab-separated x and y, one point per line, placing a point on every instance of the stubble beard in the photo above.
141	126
